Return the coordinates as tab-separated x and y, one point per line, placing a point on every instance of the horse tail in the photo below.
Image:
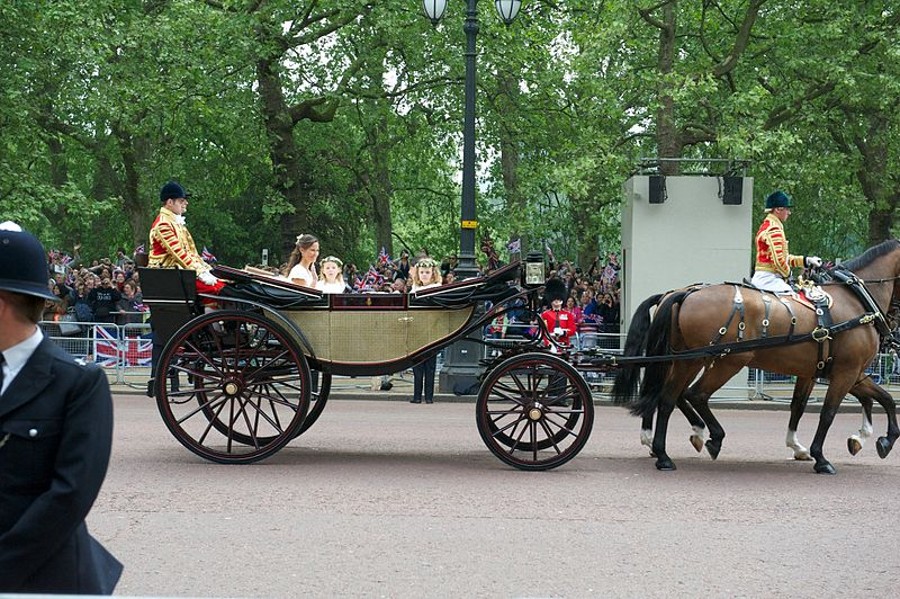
659	344
626	382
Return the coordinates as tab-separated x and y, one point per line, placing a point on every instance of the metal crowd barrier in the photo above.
124	349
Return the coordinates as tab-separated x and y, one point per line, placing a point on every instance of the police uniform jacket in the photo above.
55	440
772	248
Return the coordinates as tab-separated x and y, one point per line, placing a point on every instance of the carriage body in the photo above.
259	367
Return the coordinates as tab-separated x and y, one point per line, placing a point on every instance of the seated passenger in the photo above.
301	267
425	275
331	280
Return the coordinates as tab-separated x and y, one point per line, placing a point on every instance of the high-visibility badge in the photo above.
469	224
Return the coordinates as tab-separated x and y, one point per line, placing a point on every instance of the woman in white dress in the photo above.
332	278
302	263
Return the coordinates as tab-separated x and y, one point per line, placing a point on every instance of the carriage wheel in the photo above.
250	388
317	400
534	411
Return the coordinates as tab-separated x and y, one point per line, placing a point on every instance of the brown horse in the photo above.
687	323
866	391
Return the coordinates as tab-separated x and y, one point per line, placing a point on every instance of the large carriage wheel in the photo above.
317	400
534	411
249	391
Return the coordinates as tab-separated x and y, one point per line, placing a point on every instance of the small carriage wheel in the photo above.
250	387
534	411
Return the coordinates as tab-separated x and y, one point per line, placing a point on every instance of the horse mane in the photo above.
866	258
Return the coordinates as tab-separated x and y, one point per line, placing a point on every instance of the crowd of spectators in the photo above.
108	290
592	296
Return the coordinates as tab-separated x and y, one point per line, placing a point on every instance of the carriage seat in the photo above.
171	294
267	290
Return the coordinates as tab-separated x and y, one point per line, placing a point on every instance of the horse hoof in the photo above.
883	446
713	449
825	468
652	454
697	442
665	465
802	456
853	445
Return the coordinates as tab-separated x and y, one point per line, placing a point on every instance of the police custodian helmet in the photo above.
23	262
779	199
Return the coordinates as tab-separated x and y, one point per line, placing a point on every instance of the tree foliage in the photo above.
343	118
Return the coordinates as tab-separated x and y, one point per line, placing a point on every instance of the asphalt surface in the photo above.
387	499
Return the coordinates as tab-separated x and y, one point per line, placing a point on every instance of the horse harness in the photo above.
822	334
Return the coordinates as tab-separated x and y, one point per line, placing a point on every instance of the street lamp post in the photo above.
460	372
434	9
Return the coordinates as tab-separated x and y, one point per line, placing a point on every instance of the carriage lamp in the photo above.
434	10
534	270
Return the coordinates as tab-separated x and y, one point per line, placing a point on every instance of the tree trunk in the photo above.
291	179
382	188
516	206
666	127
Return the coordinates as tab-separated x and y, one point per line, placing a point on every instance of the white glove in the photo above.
208	278
558	332
813	261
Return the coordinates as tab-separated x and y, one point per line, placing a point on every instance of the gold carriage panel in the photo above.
373	335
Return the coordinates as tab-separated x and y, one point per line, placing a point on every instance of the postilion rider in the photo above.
773	260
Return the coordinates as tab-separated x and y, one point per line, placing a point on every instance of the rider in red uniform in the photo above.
171	244
773	261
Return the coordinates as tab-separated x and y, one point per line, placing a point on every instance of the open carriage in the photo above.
256	373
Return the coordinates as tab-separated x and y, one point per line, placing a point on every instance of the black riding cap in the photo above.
171	191
23	263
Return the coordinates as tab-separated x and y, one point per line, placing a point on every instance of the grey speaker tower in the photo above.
681	230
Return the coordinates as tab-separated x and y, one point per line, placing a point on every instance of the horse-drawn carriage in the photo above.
259	368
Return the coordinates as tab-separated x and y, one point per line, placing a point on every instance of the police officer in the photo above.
773	260
55	439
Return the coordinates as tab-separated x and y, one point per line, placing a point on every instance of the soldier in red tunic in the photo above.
171	244
773	260
560	322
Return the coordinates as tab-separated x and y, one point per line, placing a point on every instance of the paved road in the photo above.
385	499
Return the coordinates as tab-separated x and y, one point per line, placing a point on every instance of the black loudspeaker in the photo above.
657	189
733	191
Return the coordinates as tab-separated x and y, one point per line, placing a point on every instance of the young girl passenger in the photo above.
426	275
331	279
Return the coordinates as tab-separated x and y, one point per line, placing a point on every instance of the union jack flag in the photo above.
207	255
371	280
132	351
383	257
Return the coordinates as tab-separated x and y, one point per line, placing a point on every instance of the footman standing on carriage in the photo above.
773	260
